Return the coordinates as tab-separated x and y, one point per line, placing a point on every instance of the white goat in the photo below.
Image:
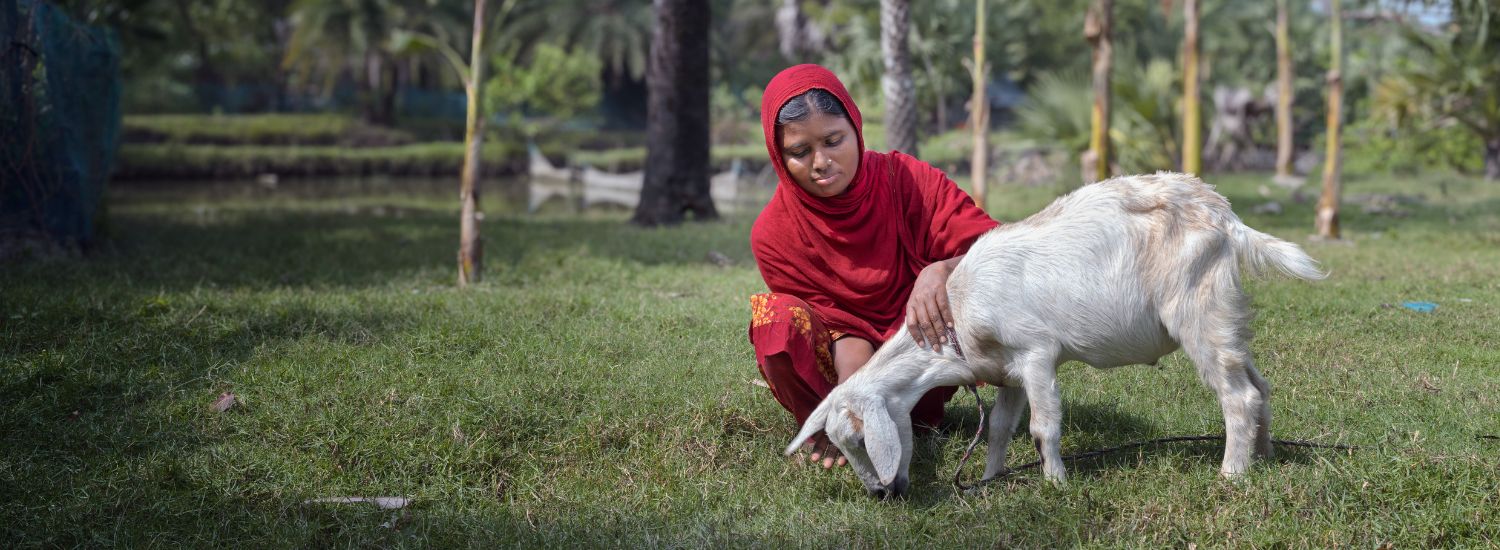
1116	273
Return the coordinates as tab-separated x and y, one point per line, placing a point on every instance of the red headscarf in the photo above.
855	256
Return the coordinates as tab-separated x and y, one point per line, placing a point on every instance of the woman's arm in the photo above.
928	316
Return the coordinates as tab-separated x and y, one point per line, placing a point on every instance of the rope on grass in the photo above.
957	474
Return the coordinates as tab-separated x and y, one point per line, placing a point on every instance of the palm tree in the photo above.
335	36
677	137
1327	220
618	32
1455	74
1096	29
896	82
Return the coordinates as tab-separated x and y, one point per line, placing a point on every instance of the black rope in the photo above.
1090	454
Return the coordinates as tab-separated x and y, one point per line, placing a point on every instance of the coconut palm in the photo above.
896	82
336	37
1455	73
677	150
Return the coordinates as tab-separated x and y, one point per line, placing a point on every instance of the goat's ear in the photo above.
882	440
815	423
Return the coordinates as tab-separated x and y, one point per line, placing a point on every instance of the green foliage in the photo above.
1145	122
1057	110
595	391
556	82
1145	130
1453	75
1371	146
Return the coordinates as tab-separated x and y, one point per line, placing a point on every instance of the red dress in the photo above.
845	265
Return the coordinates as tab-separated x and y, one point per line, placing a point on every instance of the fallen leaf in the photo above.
225	401
759	382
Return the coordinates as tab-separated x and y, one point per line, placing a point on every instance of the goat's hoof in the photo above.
1233	475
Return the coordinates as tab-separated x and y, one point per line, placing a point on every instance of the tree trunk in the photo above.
380	95
470	245
1492	159
677	142
1096	28
1192	122
979	112
1283	94
209	85
896	83
1327	220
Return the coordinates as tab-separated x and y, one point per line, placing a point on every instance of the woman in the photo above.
852	243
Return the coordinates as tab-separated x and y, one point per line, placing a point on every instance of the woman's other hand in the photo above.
927	313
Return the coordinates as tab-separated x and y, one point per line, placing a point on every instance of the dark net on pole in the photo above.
59	122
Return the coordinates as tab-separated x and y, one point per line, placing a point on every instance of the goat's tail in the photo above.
1259	251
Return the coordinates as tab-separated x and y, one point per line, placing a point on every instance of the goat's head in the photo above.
873	432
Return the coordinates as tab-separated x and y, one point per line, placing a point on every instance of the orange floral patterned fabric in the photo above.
794	351
769	309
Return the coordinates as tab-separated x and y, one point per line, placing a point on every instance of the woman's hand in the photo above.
927	314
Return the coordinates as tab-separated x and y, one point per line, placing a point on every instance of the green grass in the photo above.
148	161
257	129
595	390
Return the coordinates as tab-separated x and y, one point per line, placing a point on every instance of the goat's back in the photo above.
1097	272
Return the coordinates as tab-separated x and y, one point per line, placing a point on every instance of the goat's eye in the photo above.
861	443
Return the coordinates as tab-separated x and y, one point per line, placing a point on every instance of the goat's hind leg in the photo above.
1219	346
1002	424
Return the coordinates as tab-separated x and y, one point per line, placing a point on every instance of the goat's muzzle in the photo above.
896	489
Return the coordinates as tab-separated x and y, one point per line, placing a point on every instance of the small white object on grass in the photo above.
383	503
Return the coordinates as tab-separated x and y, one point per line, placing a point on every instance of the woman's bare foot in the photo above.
822	449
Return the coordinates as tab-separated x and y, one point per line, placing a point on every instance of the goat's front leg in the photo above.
1003	419
1040	379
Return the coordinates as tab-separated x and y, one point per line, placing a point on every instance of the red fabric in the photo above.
855	257
795	354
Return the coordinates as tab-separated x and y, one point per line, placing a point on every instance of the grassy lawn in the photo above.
596	390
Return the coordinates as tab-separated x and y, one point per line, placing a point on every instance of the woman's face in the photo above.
821	153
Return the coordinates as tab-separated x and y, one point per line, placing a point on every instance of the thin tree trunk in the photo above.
470	244
979	111
208	87
1283	94
1096	28
1327	220
677	140
896	83
1492	159
1192	122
